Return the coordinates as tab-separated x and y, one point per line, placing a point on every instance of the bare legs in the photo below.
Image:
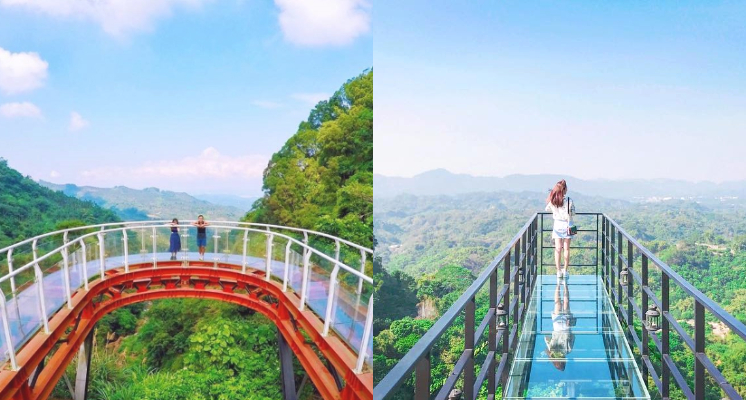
566	243
559	244
561	304
557	302
557	254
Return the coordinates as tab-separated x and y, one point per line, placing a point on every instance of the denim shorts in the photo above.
560	230
202	240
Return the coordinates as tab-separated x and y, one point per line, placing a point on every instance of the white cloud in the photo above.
270	105
54	174
77	122
21	72
311	98
209	164
323	22
25	109
116	17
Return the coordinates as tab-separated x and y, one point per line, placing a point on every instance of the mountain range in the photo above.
443	182
149	203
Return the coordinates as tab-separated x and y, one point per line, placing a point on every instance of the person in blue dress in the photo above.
175	246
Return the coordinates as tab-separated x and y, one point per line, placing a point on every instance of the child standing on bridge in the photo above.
562	209
201	225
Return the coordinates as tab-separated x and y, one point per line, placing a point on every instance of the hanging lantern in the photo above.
624	276
502	317
653	318
521	277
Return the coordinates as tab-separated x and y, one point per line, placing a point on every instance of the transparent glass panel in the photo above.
572	345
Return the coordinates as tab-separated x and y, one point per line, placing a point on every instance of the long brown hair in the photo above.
557	195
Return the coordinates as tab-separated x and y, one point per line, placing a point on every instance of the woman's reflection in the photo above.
562	340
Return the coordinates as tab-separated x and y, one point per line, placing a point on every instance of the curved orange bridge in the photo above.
316	300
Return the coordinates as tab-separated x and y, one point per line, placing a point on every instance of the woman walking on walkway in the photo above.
175	246
562	209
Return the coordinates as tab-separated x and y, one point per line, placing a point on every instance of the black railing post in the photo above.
534	264
615	276
609	253
603	248
536	246
644	351
469	346
699	348
422	378
541	246
630	287
597	247
506	307
522	267
492	339
610	270
534	259
516	262
665	327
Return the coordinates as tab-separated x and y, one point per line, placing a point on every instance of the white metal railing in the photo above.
93	252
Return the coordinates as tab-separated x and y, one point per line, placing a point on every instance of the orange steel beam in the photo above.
180	282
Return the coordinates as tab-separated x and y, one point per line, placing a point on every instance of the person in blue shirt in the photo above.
201	225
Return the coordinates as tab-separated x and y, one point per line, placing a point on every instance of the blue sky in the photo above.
585	88
186	95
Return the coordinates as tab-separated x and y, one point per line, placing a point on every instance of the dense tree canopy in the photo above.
322	178
29	209
432	247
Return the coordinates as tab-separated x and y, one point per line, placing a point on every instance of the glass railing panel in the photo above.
345	301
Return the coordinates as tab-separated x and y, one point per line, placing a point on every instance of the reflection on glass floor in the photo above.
572	345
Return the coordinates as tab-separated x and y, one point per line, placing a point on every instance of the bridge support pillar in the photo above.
286	368
83	370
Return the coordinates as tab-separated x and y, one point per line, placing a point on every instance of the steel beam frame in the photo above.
252	291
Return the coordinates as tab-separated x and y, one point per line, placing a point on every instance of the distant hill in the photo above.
242	203
443	182
149	203
29	209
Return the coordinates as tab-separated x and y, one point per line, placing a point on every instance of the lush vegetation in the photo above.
430	248
170	349
197	349
322	178
29	209
188	349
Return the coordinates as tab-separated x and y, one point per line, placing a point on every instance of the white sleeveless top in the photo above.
561	213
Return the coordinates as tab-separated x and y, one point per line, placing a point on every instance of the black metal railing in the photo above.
622	281
518	263
621	255
584	227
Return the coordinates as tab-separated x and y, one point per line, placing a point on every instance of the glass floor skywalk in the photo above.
572	345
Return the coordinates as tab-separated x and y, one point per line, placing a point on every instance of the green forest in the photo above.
29	209
430	248
322	178
198	349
